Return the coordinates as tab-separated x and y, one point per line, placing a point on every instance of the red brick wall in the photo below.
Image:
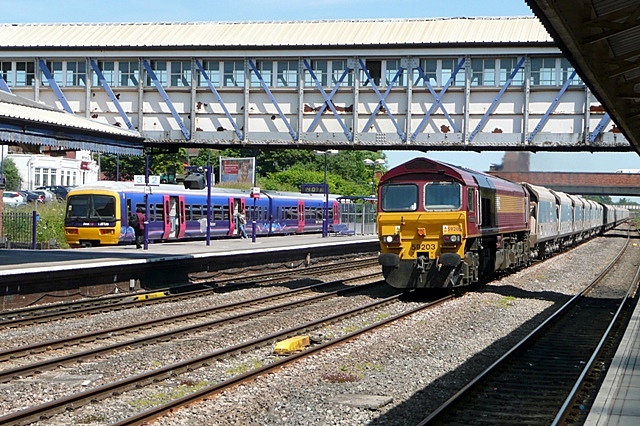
565	178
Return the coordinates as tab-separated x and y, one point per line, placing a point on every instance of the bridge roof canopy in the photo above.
602	40
274	34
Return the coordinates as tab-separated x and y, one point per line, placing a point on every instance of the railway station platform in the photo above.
618	401
24	272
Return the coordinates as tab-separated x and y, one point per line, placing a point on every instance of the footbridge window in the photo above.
506	67
108	70
321	70
337	69
233	73
180	73
129	73
438	72
484	72
160	70
391	69
25	74
287	74
552	72
266	71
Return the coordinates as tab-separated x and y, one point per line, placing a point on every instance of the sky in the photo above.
46	11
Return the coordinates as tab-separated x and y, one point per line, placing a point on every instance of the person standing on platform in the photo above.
242	221
138	227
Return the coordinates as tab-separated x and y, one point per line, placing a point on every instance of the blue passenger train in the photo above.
97	214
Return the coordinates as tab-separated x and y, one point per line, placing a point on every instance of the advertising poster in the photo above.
237	169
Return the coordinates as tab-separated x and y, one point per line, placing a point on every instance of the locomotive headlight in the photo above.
391	239
452	238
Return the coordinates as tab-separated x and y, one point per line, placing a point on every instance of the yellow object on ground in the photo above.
155	295
292	344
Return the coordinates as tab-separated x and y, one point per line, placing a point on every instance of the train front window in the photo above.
399	197
91	208
442	196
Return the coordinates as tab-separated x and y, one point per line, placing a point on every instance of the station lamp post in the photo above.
325	216
373	164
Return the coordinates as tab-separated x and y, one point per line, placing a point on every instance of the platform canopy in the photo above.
602	40
23	121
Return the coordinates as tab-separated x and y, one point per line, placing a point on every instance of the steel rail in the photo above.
48	409
201	394
29	316
8	375
565	406
559	312
185	316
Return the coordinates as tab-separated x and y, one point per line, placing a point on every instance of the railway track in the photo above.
212	282
221	315
186	367
538	380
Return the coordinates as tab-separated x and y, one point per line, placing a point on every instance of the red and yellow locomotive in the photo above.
446	226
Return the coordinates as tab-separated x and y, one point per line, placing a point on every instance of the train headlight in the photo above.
455	238
391	239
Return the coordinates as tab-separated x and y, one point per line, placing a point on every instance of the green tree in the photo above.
605	199
11	175
128	166
346	172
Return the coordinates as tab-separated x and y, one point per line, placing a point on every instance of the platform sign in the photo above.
312	188
138	180
255	192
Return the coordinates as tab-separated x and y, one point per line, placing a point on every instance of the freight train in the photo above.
442	226
97	214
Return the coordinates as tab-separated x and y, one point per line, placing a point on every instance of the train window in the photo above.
216	212
159	212
290	213
196	212
225	213
442	196
399	197
470	203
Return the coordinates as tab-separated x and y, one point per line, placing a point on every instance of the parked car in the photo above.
59	190
12	199
46	194
32	197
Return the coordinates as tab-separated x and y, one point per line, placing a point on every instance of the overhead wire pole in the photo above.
209	204
146	199
325	216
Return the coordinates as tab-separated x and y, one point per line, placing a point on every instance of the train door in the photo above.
173	216
301	216
473	212
236	206
182	217
336	213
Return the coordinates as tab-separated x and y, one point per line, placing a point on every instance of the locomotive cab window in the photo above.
399	197
91	207
442	196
